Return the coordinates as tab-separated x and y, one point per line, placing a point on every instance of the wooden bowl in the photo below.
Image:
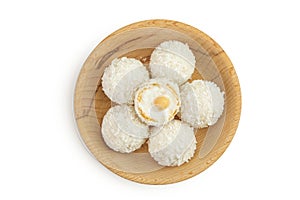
138	41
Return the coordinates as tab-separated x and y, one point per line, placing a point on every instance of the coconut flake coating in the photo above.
122	131
172	144
146	96
202	103
121	78
172	60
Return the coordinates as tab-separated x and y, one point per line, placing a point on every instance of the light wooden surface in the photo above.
138	40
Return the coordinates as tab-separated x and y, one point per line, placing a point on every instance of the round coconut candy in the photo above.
157	101
122	131
172	144
172	60
202	103
122	77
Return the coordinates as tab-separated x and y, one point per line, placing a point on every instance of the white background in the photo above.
43	45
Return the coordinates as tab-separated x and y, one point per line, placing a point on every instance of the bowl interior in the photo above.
138	41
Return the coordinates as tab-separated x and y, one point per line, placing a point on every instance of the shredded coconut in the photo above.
202	103
172	144
122	130
122	77
173	60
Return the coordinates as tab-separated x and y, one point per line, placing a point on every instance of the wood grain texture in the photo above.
138	41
